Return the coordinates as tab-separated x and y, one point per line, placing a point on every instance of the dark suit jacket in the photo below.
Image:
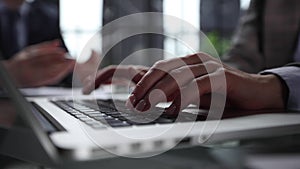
42	25
267	36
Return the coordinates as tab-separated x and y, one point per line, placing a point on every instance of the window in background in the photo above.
125	50
187	10
79	21
245	4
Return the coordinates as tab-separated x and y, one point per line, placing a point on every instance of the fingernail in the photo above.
87	80
132	98
87	88
141	105
128	104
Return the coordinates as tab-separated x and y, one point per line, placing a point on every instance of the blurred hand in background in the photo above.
39	65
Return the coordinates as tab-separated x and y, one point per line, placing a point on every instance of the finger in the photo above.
190	95
158	71
45	52
47	44
54	75
131	73
49	60
213	84
205	101
95	58
172	82
103	76
87	80
113	73
50	75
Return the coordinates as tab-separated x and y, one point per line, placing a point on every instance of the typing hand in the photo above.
184	80
190	78
41	64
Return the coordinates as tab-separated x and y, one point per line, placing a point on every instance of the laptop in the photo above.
83	128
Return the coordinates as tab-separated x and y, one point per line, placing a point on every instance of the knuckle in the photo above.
211	65
133	71
160	64
176	73
110	67
222	69
194	81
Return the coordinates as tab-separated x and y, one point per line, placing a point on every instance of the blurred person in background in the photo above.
39	65
27	27
267	37
26	23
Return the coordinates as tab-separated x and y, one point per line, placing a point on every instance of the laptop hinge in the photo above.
50	124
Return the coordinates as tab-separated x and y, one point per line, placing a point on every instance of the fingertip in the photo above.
129	105
172	110
86	90
132	99
141	106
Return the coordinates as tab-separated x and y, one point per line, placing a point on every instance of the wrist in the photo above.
275	91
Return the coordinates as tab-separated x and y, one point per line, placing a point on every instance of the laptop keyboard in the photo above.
103	113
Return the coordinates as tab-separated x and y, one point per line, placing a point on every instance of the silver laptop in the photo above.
80	128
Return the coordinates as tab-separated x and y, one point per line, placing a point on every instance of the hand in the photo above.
177	77
38	65
117	74
86	69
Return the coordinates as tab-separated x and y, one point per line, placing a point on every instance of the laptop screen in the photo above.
18	116
9	117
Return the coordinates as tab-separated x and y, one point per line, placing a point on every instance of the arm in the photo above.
246	53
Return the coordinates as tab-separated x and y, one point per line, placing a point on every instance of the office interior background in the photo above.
80	20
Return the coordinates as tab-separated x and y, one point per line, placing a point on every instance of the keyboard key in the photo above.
81	116
98	126
97	115
104	113
122	124
86	119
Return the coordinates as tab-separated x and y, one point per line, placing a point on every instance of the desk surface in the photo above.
22	144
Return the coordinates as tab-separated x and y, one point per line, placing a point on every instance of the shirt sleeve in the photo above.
291	76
